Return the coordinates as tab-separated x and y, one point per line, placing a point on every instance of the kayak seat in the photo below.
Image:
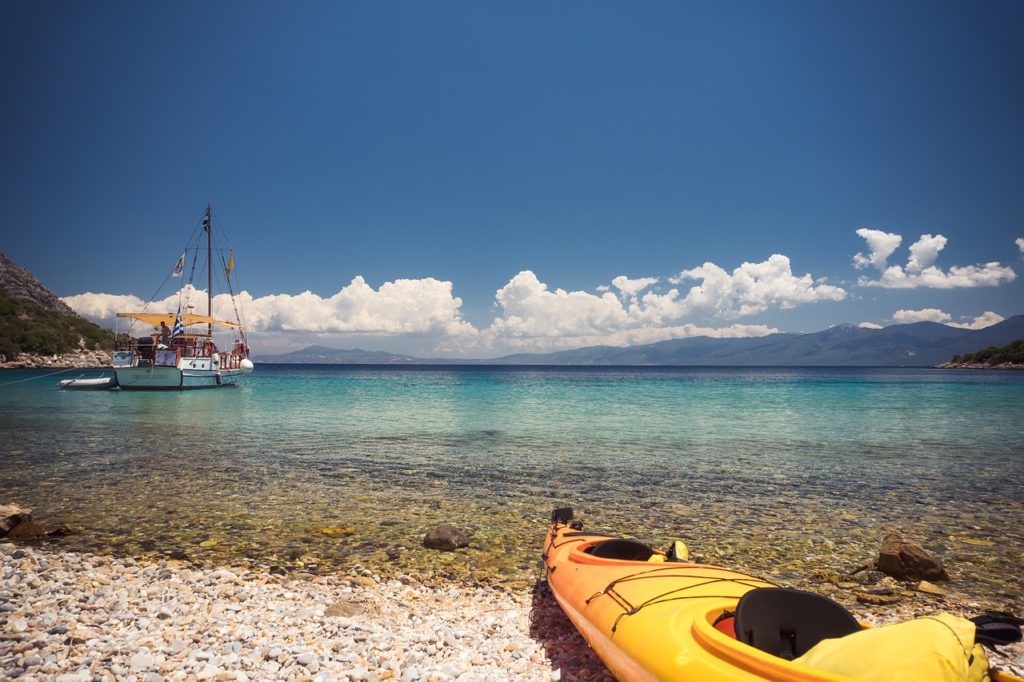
620	548
785	622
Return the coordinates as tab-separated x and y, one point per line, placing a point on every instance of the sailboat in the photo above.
178	350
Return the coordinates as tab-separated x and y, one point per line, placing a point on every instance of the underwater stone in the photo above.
905	560
11	515
445	537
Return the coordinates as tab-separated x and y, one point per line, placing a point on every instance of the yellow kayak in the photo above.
652	615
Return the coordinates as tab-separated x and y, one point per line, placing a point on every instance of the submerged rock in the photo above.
11	515
905	560
869	577
30	530
878	599
929	588
16	523
446	538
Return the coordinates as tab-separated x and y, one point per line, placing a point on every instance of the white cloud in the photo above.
530	315
751	288
631	287
924	251
499	338
968	276
924	315
869	325
1019	241
102	308
423	306
404	306
880	246
920	270
534	317
986	319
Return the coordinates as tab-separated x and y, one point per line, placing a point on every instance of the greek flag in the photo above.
179	328
179	266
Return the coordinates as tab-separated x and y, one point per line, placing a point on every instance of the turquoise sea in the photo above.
794	474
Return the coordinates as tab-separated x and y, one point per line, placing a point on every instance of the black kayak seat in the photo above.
620	548
785	622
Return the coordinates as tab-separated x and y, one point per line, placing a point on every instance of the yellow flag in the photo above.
231	265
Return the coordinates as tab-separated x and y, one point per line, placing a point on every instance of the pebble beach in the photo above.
71	616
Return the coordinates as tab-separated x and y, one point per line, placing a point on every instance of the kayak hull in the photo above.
655	620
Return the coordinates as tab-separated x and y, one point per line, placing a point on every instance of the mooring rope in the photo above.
61	371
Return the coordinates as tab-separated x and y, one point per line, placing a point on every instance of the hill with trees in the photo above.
35	321
1010	355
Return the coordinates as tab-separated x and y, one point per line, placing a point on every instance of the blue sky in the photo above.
449	148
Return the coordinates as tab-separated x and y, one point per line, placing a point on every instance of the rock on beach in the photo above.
905	560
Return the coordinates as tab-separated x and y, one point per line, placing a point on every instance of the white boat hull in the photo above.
173	378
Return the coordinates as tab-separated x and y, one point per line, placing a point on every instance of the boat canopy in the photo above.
187	319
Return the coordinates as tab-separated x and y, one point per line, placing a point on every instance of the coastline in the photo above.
979	365
72	616
78	359
100	359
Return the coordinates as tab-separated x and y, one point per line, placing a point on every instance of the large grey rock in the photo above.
445	537
905	560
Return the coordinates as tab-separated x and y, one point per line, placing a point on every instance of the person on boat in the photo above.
165	333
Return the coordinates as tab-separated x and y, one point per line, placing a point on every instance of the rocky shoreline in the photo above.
70	616
79	359
979	365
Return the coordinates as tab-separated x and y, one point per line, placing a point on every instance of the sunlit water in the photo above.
795	474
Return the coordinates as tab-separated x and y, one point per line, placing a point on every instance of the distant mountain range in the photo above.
920	344
321	355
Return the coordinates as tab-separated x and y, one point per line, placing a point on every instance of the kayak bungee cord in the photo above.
630	609
672	571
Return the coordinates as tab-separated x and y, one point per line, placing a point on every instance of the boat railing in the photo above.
150	351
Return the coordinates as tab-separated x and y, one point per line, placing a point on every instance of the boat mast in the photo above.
209	269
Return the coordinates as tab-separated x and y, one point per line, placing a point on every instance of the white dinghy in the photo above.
95	384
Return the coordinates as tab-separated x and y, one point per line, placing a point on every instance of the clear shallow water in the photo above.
791	473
